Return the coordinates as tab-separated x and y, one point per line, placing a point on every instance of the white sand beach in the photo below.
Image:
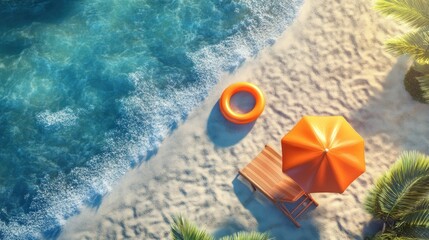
331	61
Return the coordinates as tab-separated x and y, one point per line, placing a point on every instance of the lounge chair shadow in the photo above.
271	219
224	133
229	227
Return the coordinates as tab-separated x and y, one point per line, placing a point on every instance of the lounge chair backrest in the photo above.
265	172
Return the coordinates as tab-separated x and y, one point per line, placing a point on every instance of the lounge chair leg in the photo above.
303	210
299	205
251	184
287	213
312	199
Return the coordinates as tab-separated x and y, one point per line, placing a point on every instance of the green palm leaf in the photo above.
412	12
419	216
424	86
182	229
247	236
415	43
415	232
422	68
372	201
405	183
391	236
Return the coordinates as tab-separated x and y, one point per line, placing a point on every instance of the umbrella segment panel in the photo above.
323	154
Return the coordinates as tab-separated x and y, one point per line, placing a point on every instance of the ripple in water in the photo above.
91	88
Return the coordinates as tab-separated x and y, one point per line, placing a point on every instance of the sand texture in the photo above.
331	61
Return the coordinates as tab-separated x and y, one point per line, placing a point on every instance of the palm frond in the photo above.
392	236
248	236
372	202
385	236
404	184
415	232
182	229
412	12
419	216
424	86
415	43
422	68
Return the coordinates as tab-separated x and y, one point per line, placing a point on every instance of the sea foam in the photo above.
159	100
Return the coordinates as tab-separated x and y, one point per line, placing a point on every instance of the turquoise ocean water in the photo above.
90	88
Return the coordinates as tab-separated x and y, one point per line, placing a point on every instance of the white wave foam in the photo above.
158	110
65	117
272	18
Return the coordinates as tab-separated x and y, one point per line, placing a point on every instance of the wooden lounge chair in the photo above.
265	174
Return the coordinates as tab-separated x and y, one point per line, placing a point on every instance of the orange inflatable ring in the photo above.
241	118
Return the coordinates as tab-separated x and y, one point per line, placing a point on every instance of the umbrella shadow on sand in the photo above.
271	219
224	133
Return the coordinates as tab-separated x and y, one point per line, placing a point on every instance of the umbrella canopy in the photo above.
323	154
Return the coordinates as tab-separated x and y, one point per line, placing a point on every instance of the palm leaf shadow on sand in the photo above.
224	133
270	218
391	108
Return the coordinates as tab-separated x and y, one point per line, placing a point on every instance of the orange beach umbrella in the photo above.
323	154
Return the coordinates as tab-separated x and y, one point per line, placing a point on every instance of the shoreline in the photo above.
330	61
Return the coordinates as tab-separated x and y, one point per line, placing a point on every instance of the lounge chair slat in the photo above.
264	172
